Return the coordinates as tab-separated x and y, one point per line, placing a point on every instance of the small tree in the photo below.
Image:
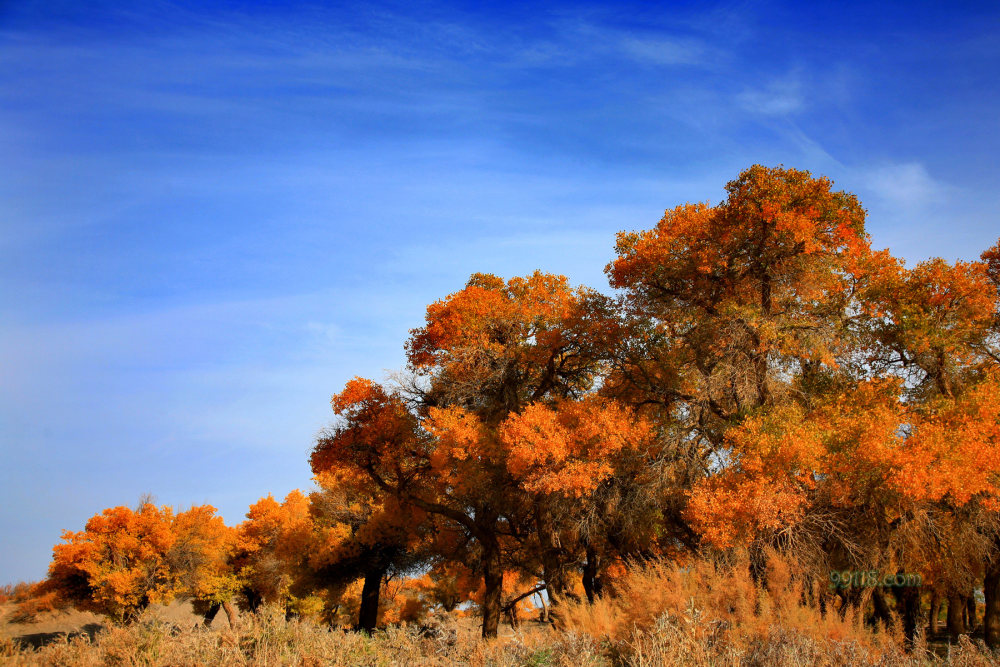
272	546
200	560
118	565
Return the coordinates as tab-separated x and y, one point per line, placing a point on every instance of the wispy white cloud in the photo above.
780	97
906	185
918	214
665	51
592	37
252	374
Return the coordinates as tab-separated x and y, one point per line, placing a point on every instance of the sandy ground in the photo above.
52	625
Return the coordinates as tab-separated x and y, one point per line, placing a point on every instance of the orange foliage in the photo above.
765	485
773	261
16	592
863	447
376	425
272	544
936	317
954	451
201	554
407	600
498	346
568	448
493	317
991	258
118	564
30	599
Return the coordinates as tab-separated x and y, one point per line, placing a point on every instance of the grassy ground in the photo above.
173	636
704	613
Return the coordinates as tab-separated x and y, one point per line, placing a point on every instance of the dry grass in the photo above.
16	592
715	614
268	639
703	614
29	600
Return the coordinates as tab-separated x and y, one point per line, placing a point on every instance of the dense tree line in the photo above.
761	380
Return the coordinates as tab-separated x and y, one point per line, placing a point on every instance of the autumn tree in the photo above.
200	559
118	565
936	326
495	347
380	437
933	325
485	353
728	303
902	470
359	531
491	351
734	310
746	321
576	459
991	349
272	550
450	582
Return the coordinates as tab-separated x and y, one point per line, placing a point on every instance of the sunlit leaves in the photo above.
569	447
740	291
118	564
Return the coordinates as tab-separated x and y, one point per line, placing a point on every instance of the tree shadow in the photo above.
37	640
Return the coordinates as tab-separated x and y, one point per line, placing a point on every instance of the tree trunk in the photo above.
970	613
935	611
882	612
842	609
591	581
908	603
991	617
555	581
493	579
210	613
545	608
368	613
956	605
254	600
230	614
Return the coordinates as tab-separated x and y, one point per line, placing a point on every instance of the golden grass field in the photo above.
660	616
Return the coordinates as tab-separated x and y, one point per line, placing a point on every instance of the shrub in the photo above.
716	612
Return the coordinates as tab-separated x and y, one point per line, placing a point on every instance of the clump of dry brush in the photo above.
711	612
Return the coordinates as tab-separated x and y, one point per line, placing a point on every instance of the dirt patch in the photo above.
54	626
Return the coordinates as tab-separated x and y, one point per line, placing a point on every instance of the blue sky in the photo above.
214	214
